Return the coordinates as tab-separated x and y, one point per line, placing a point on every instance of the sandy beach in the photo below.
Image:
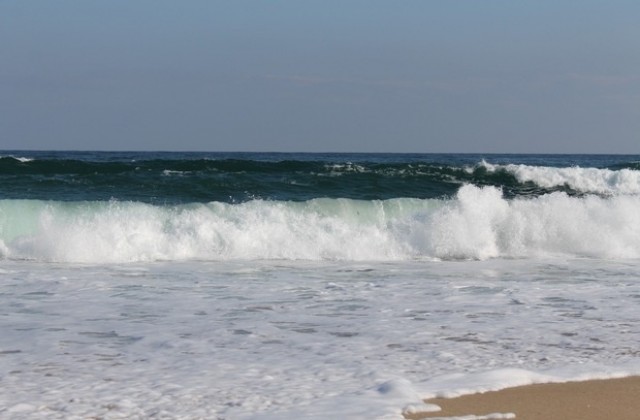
617	399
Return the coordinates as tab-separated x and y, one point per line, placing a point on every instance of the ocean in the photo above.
170	285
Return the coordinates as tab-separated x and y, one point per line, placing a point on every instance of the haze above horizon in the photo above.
491	76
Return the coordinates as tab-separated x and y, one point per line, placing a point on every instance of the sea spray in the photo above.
478	223
481	224
585	180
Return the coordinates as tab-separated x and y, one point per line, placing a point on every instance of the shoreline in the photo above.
616	399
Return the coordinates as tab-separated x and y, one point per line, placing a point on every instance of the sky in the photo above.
487	76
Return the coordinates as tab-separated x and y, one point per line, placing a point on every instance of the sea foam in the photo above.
478	223
586	180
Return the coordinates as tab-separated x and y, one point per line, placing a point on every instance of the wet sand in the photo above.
614	399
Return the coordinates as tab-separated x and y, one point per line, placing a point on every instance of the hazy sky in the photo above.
328	75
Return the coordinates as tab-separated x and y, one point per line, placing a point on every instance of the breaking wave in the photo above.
478	223
586	180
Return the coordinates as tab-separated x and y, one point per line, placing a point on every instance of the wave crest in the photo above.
585	180
478	223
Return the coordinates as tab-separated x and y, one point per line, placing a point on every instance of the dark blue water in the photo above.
171	177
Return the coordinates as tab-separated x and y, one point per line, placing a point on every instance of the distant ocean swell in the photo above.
476	223
181	181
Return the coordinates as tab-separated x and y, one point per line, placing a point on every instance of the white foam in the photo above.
18	158
481	224
299	339
338	169
587	180
478	224
169	172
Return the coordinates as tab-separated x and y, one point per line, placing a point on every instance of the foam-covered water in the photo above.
478	223
287	339
308	286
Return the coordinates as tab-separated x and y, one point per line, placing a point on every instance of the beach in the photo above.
615	399
319	210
